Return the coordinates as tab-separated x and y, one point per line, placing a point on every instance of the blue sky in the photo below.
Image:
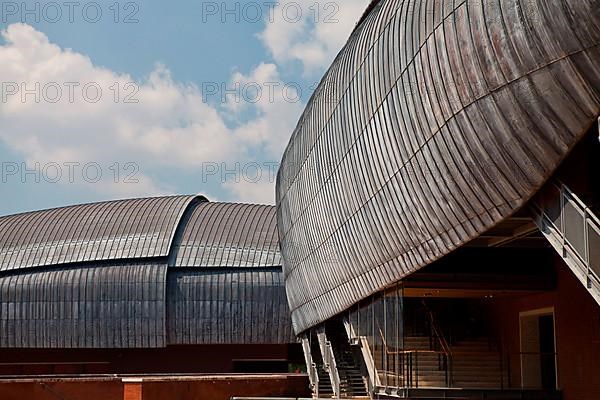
114	105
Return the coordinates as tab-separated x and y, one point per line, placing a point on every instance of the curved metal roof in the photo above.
126	229
105	275
228	235
436	121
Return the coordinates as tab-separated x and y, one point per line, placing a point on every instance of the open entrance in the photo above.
451	330
538	349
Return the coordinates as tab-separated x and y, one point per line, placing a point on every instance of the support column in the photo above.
132	388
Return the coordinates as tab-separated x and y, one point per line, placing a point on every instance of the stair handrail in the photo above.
369	362
437	332
412	361
444	345
393	352
333	370
329	360
589	218
384	341
582	206
311	366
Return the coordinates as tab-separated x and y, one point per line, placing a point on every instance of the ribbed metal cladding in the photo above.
228	235
436	121
227	287
103	231
226	282
246	306
105	306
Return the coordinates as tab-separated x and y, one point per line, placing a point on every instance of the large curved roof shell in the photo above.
437	120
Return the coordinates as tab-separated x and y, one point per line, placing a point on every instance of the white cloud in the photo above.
315	38
262	192
169	125
278	108
169	122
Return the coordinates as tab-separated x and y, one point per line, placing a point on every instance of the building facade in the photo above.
143	286
437	204
436	233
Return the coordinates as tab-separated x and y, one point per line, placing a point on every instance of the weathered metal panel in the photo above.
223	306
72	277
102	231
112	305
435	122
228	235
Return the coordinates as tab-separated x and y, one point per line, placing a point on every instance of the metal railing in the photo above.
329	362
436	333
392	368
311	367
365	350
573	230
406	363
333	370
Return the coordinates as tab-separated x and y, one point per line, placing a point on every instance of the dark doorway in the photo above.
538	351
547	352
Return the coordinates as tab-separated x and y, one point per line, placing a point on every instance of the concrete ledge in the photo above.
156	387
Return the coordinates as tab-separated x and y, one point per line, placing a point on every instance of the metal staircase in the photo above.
352	383
320	383
324	389
334	366
573	229
428	365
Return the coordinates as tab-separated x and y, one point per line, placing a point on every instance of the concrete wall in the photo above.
53	389
202	359
184	388
223	388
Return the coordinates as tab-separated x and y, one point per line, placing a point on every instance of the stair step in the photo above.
475	363
351	380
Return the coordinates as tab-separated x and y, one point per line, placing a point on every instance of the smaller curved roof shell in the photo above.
113	230
142	273
229	235
232	306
